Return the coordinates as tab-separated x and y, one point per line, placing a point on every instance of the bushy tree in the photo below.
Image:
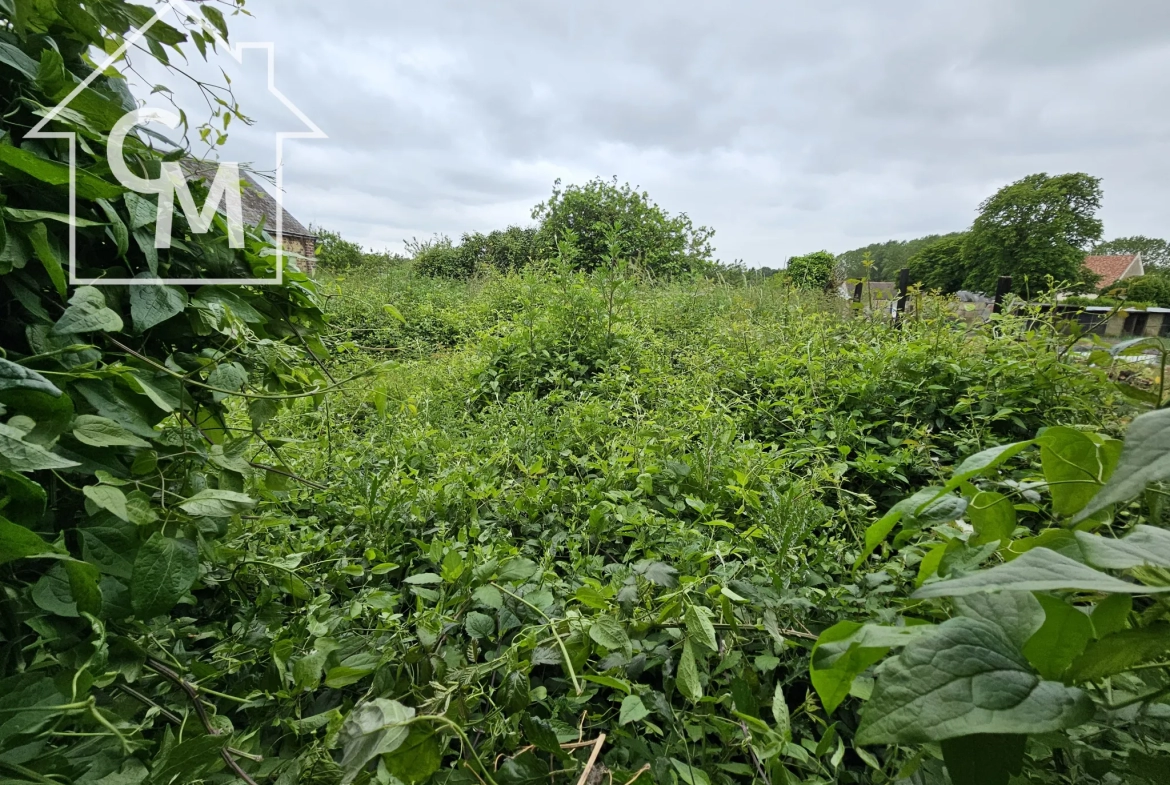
812	271
940	265
1153	289
1034	228
1155	252
662	243
510	249
440	258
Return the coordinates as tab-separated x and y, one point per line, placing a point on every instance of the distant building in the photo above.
256	205
1115	268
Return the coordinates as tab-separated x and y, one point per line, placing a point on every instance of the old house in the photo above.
1115	267
258	205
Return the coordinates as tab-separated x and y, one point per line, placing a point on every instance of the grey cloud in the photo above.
786	126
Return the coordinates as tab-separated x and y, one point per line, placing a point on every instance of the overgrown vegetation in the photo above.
557	520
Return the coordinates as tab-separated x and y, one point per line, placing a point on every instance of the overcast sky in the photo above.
786	126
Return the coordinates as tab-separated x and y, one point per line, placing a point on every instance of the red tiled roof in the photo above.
1110	268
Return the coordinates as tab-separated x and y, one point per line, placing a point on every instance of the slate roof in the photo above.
1110	268
255	201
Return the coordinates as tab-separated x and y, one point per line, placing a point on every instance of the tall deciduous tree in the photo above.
940	265
1034	228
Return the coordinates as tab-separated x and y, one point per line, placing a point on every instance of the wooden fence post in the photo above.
857	291
903	291
1002	288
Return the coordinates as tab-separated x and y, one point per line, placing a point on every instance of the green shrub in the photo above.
1144	288
651	238
813	271
940	265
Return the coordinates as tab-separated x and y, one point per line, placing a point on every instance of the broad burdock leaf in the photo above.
524	769
1039	569
610	633
540	733
1121	651
17	377
372	729
164	570
687	677
632	710
1145	546
110	549
227	376
83	584
153	304
966	677
1145	458
17	542
87	312
18	455
215	503
700	629
423	579
1017	613
1075	465
102	432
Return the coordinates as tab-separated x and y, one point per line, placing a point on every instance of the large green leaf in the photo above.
965	678
17	542
417	758
102	432
1121	651
16	454
700	629
1075	466
1145	546
164	570
1145	458
373	728
1040	569
58	174
610	633
215	503
1017	613
151	305
993	517
17	377
1062	638
108	498
687	677
845	650
49	255
87	312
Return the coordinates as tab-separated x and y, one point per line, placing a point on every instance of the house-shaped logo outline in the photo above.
237	53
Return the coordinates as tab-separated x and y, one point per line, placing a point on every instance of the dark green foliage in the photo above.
1155	252
440	258
814	271
1151	288
663	244
888	258
940	266
504	251
1033	230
